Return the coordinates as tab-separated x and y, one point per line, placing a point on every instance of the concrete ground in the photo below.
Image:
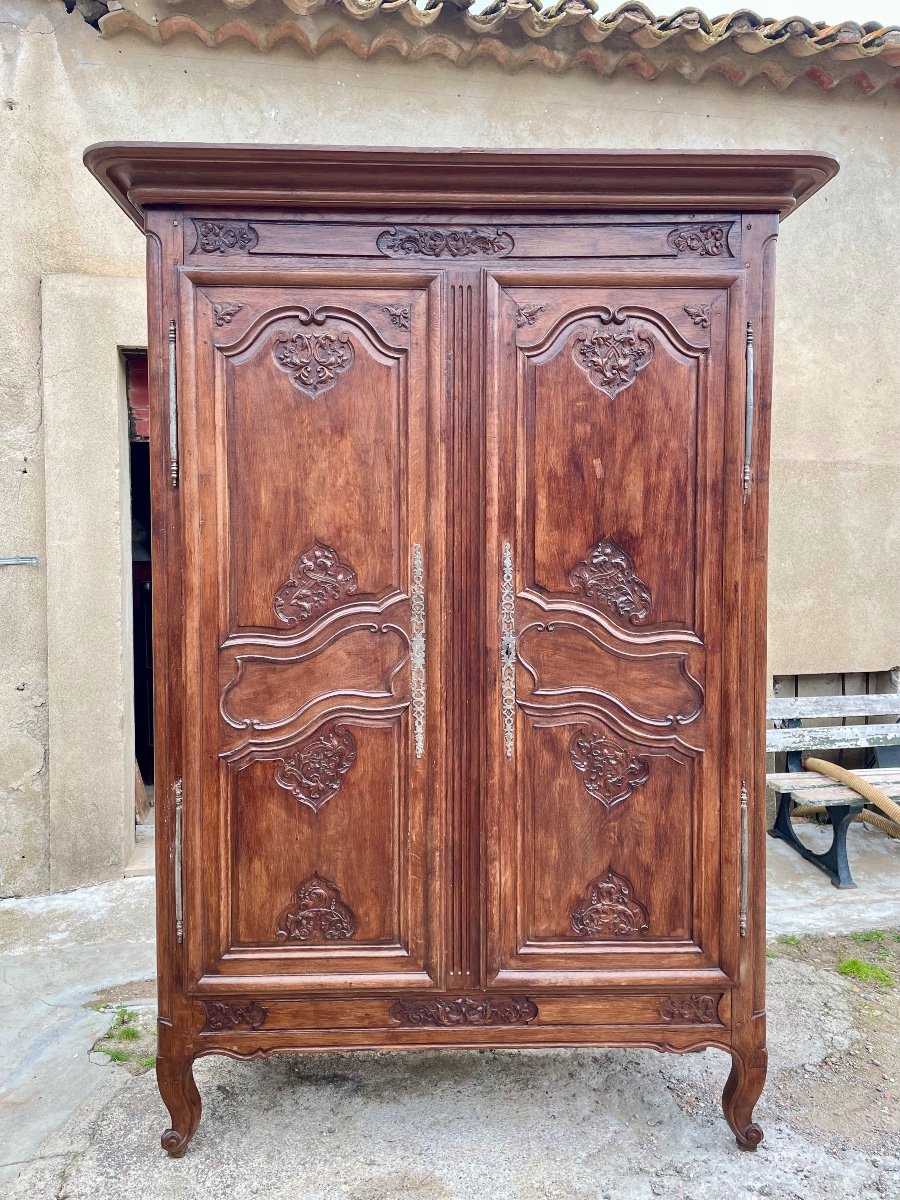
534	1125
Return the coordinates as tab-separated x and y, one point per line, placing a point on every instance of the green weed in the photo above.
118	1055
871	935
865	972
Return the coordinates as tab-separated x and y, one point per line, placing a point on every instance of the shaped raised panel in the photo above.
568	661
316	421
272	690
604	870
595	379
337	875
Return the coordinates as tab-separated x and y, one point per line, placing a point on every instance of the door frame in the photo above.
87	322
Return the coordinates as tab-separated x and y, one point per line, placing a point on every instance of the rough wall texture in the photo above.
88	549
835	571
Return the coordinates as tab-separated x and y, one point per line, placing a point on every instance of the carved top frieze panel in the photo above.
428	241
318	581
615	354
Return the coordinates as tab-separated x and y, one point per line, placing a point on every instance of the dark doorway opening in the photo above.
141	583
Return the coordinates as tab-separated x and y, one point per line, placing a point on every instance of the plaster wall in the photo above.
835	567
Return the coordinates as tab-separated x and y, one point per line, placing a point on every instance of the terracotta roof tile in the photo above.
556	34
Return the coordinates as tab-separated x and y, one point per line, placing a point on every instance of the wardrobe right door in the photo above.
616	408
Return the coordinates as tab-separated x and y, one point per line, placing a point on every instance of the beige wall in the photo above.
835	527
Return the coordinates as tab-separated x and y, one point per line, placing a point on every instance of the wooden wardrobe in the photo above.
459	557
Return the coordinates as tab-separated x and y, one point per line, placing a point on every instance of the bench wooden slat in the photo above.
828	796
787	781
780	708
820	799
831	737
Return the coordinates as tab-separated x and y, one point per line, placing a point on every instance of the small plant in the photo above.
126	1033
865	972
871	935
149	1062
118	1055
789	939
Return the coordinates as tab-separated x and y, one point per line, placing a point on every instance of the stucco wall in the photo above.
835	570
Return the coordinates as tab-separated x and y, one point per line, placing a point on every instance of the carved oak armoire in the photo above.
459	551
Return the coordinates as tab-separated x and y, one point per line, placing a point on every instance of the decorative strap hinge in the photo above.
173	404
417	650
508	652
177	791
745	857
747	479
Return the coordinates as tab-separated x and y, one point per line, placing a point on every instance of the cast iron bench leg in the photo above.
834	860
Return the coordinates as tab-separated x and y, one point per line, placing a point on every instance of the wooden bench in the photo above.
796	786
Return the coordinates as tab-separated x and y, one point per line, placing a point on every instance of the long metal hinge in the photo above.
748	418
417	650
173	405
745	857
179	885
508	652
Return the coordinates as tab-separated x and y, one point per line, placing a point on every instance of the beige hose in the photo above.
889	823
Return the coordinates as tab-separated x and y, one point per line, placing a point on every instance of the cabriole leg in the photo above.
175	1077
745	1083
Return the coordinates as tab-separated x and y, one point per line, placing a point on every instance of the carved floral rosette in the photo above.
706	241
614	355
317	914
609	909
224	237
607	576
465	1010
428	241
318	581
225	311
313	360
699	314
608	769
527	314
222	1016
690	1010
398	315
315	771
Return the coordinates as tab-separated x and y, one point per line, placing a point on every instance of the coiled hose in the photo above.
887	819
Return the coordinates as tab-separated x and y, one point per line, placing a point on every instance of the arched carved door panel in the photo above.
609	404
314	465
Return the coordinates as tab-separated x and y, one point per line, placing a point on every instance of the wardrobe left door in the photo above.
312	482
